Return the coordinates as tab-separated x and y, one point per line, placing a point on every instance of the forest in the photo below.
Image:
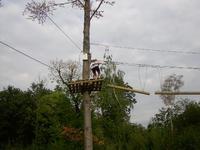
42	118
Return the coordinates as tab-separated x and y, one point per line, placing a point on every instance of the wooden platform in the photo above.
81	86
128	89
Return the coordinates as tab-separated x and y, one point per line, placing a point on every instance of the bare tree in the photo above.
172	83
41	11
63	73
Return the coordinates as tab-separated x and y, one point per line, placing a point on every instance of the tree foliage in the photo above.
113	107
41	10
63	73
40	118
172	83
186	126
17	116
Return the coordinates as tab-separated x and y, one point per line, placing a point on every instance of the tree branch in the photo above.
95	11
59	74
41	10
72	94
77	3
61	4
70	2
81	3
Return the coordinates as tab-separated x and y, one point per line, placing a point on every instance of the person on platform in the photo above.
95	68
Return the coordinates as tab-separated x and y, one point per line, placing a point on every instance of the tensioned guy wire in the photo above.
117	63
65	34
150	49
30	57
156	66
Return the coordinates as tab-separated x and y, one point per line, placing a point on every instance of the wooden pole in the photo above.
88	141
177	93
128	89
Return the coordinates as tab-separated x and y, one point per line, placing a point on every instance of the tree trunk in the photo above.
171	125
88	141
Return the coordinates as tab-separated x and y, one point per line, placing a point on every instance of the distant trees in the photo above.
39	118
34	117
186	127
172	83
17	116
54	111
171	128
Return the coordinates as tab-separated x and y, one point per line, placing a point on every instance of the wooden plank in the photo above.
85	85
128	89
85	81
177	93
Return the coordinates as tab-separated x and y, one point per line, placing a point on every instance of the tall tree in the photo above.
186	127
40	11
17	117
112	107
53	112
172	83
63	73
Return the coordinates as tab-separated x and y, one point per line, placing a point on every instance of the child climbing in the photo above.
95	68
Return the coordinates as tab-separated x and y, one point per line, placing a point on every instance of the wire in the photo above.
142	83
65	34
156	66
149	49
117	63
139	77
30	57
145	80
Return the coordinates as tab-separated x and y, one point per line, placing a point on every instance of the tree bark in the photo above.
88	141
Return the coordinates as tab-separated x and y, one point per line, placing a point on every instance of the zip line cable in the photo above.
122	47
117	63
148	49
156	66
30	57
65	34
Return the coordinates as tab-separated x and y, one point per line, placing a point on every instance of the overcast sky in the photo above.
156	24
